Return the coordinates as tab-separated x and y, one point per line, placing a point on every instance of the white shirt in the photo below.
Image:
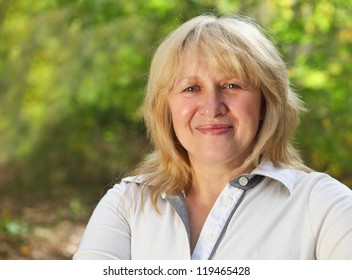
281	214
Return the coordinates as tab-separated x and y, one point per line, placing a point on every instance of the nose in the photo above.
212	104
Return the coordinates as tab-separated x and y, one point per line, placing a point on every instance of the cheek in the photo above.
249	110
181	112
185	113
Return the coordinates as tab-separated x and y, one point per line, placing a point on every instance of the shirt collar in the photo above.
266	168
285	176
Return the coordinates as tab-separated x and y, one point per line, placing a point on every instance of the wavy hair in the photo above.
236	45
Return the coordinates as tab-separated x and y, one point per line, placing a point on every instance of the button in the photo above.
209	238
243	181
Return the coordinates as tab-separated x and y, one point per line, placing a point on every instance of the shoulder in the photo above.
296	180
126	192
131	184
327	200
319	182
325	190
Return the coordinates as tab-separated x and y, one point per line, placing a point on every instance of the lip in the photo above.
214	129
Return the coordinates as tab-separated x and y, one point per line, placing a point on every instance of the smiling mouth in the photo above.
214	129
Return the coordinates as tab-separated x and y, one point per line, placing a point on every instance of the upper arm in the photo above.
330	207
107	235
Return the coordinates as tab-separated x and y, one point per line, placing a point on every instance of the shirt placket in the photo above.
219	217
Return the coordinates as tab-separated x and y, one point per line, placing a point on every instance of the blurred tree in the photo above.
72	76
316	39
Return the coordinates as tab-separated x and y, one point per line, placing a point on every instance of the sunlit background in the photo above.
72	77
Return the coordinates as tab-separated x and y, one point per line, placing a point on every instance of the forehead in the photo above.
193	59
190	61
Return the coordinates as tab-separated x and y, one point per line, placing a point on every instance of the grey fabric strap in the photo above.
178	202
253	180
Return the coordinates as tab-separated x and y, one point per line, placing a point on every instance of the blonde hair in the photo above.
237	45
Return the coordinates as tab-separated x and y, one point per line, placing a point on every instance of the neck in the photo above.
209	180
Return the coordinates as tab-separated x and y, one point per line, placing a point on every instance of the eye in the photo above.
191	89
232	86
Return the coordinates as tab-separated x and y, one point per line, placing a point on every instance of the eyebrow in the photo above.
187	79
191	79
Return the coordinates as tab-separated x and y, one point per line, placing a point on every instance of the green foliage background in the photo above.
72	77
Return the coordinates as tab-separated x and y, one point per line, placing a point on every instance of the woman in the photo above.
224	181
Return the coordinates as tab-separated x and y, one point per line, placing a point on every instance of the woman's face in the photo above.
215	115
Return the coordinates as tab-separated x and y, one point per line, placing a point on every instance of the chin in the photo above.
217	159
